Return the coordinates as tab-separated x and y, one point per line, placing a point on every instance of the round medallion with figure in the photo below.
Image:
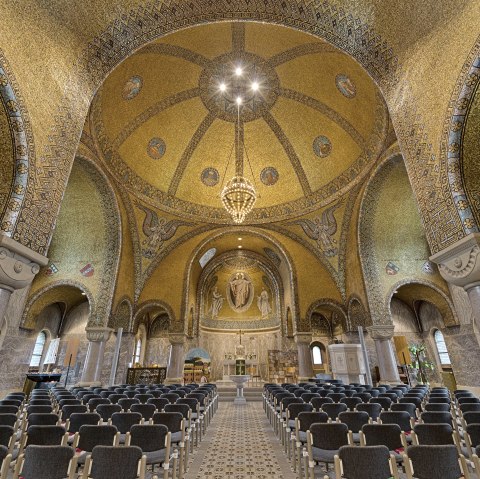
156	148
345	86
322	146
269	176
210	176
132	87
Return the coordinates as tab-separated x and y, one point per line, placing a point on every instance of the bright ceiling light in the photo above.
238	71
239	246
223	87
255	86
239	239
239	100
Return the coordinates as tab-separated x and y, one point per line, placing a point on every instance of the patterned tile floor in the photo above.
240	444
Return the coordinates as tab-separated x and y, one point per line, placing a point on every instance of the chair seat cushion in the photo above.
302	435
291	423
323	455
155	457
177	436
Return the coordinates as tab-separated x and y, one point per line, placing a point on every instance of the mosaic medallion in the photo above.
222	71
322	146
156	148
132	88
345	86
269	176
210	177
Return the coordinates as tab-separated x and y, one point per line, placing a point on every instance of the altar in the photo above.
251	365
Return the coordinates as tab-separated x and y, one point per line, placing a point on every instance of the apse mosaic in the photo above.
156	148
132	87
269	176
345	86
322	146
210	176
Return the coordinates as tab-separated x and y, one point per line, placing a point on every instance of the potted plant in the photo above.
421	365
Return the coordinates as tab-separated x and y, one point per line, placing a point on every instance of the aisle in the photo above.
240	444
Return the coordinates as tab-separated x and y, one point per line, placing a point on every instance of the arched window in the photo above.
138	351
441	348
317	356
207	256
38	349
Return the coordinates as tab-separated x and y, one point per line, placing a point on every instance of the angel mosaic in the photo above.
157	231
321	229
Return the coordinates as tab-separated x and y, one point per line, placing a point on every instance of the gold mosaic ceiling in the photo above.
313	128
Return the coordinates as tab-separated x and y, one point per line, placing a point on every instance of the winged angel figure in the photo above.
322	229
157	230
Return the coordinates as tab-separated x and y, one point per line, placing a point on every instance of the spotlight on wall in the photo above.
222	87
255	86
238	71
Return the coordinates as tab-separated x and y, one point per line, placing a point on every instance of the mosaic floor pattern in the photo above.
240	444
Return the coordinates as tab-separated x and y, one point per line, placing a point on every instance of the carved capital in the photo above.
98	334
459	264
381	332
303	338
177	339
18	264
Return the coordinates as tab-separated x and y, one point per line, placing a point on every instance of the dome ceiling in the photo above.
170	135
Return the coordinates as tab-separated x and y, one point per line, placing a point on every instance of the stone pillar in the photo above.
92	369
459	264
18	267
176	359
387	363
305	366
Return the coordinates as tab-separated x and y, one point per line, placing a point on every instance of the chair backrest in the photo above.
373	409
385	402
91	436
439	399
192	403
95	402
307	396
65	402
8	419
438	407
355	420
6	432
159	403
143	398
123	421
351	402
106	410
149	437
285	403
383	435
41	419
183	409
33	402
329	436
364	396
333	410
45	435
436	417
317	403
172	397
296	408
108	461
473	431
434	434
471	417
468	399
114	398
46	462
407	407
38	409
173	420
367	462
402	418
77	420
146	410
336	396
435	461
70	409
126	403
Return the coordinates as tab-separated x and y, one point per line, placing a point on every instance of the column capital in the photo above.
379	332
459	263
18	264
303	338
97	334
177	338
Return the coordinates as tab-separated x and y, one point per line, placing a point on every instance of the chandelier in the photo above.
239	194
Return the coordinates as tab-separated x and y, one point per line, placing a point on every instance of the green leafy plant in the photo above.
420	362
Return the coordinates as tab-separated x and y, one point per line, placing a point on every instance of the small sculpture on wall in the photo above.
157	230
217	303
263	304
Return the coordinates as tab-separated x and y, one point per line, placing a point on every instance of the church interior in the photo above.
259	219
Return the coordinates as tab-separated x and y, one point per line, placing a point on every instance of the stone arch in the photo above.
122	317
327	305
356	314
21	170
148	306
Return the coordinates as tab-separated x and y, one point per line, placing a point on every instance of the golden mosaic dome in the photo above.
312	122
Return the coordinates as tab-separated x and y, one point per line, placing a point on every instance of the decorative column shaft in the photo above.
459	264
387	363
305	366
92	370
176	358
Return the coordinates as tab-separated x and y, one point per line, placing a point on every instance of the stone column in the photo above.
387	363
305	366
176	359
18	267
459	264
92	369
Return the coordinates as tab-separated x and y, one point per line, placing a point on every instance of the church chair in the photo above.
159	403
435	407
106	410
43	436
41	419
175	424
143	398
402	419
87	397
195	418
185	410
407	407
64	402
118	390
70	409
90	436
468	400
127	403
306	397
338	389
389	394
351	402
373	409
389	435
367	462
336	397
82	393
412	400
398	391
5	461
202	401
114	398
385	402
108	461
77	420
333	410
379	389
317	403
324	442
8	439
146	410
349	393
354	420
437	417
130	387
358	389
439	399
302	424
433	462
364	396
123	421
155	442
155	393
12	402
130	394
172	397
299	391
95	402
39	409
46	462
293	410
282	415
434	435
99	390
